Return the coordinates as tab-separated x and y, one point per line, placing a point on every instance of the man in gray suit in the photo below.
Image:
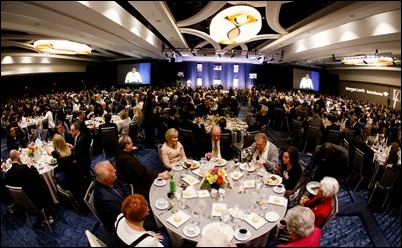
262	152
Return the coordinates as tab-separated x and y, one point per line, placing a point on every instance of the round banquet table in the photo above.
258	238
46	171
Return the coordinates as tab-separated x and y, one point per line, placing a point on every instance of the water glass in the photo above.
202	207
225	215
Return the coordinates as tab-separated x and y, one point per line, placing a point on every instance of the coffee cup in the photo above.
159	181
243	233
161	203
191	229
282	224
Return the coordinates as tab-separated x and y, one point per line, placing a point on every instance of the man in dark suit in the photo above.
173	120
81	146
21	175
78	117
60	129
109	123
131	171
108	194
216	148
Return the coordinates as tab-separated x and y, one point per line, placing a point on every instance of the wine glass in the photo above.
253	199
225	215
188	164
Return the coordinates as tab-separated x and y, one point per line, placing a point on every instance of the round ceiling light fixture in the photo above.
235	25
61	47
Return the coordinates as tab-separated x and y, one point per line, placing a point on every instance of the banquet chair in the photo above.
68	194
93	240
334	211
160	154
279	115
333	137
109	141
296	133
384	187
186	138
25	203
248	140
312	139
248	118
89	200
358	167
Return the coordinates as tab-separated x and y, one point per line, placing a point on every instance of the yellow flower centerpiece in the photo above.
31	151
216	178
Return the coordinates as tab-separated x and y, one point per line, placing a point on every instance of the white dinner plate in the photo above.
160	183
219	162
272	216
191	235
247	236
193	166
312	187
177	167
250	169
275	182
219	227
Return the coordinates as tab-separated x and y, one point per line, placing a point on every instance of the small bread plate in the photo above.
236	174
160	182
191	234
272	216
255	220
279	189
312	187
274	180
240	237
178	218
161	204
177	167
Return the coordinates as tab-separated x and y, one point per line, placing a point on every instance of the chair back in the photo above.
226	139
248	139
248	118
109	140
23	200
264	129
296	132
93	240
333	137
334	211
313	136
389	177
160	153
186	138
89	200
358	162
279	115
133	130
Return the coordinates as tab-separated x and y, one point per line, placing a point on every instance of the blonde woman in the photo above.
137	117
172	151
66	175
123	125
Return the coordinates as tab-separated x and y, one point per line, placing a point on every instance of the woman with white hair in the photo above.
321	203
300	225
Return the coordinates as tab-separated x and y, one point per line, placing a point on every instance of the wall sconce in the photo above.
61	47
235	25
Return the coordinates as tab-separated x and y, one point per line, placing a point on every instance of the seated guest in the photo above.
215	148
173	120
78	117
130	230
13	141
300	226
27	177
197	128
321	203
109	193
65	174
123	125
137	115
222	125
262	152
331	126
131	171
109	123
290	169
172	151
61	130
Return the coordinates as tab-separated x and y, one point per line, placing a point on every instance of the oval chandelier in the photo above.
61	47
235	25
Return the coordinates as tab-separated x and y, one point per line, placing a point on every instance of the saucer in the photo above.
162	207
279	190
160	183
247	236
195	234
177	168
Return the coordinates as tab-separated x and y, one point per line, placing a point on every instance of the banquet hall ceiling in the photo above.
297	32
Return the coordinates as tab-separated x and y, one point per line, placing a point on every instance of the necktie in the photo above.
258	156
216	149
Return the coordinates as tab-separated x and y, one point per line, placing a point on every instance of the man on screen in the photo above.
133	76
306	82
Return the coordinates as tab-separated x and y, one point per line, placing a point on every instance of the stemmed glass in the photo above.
225	215
188	164
253	199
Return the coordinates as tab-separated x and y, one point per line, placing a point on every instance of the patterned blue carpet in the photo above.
355	225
